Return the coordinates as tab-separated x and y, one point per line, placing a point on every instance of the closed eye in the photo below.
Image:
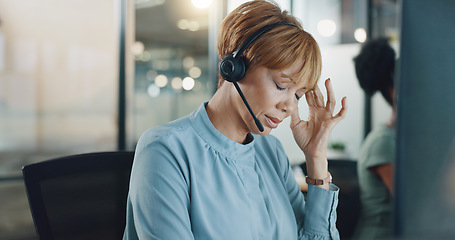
278	87
299	94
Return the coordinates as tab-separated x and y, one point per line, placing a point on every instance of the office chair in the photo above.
80	196
344	173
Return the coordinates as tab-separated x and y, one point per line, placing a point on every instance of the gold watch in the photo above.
313	181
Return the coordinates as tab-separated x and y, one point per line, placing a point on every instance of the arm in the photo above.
385	172
379	156
315	217
312	136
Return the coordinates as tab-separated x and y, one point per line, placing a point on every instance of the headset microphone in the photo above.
232	68
256	120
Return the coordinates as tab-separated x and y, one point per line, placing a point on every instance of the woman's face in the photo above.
272	95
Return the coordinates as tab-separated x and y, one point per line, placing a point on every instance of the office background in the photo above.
82	76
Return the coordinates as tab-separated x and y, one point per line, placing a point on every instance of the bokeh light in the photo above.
185	24
153	90
201	3
137	48
327	27
161	80
188	62
360	35
195	72
188	83
176	83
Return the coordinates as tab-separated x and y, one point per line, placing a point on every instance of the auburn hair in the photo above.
278	48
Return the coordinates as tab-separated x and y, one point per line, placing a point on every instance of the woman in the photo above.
214	174
375	66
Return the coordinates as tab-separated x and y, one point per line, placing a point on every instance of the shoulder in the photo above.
379	147
380	137
162	149
166	144
165	134
382	131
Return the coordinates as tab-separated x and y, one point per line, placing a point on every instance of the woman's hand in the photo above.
312	136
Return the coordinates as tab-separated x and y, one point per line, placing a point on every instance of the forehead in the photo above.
295	75
292	70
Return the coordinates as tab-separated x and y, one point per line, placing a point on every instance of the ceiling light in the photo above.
360	35
201	3
188	83
327	27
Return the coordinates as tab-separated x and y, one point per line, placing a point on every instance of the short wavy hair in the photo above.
375	67
279	48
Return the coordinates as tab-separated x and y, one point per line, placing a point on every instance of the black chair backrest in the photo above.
81	196
344	173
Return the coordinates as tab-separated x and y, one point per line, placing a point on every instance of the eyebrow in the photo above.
283	75
292	80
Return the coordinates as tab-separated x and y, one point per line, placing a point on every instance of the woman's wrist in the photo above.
317	168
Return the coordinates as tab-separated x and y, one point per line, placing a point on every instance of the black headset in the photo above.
232	67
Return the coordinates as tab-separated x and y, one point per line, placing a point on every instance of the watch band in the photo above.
313	181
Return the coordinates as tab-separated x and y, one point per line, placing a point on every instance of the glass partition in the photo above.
172	76
58	91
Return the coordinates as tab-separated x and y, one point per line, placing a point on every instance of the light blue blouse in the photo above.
189	181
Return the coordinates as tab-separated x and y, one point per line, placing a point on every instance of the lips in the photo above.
272	121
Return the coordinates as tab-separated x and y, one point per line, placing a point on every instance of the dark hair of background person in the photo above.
375	66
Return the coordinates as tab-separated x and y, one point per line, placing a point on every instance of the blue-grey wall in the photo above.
425	197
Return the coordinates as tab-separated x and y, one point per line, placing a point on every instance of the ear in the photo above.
232	69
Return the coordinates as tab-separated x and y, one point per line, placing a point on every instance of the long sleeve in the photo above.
320	217
159	196
316	217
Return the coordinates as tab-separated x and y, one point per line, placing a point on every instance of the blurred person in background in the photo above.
375	67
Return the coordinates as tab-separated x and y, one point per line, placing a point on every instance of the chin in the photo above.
265	132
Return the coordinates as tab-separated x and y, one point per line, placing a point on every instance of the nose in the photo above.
288	103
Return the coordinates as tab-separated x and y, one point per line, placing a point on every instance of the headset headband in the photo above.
258	33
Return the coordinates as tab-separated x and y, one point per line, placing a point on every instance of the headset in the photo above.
232	67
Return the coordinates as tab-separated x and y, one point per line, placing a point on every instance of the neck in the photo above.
393	117
392	121
222	112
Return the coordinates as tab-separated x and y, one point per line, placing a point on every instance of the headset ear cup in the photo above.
231	68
